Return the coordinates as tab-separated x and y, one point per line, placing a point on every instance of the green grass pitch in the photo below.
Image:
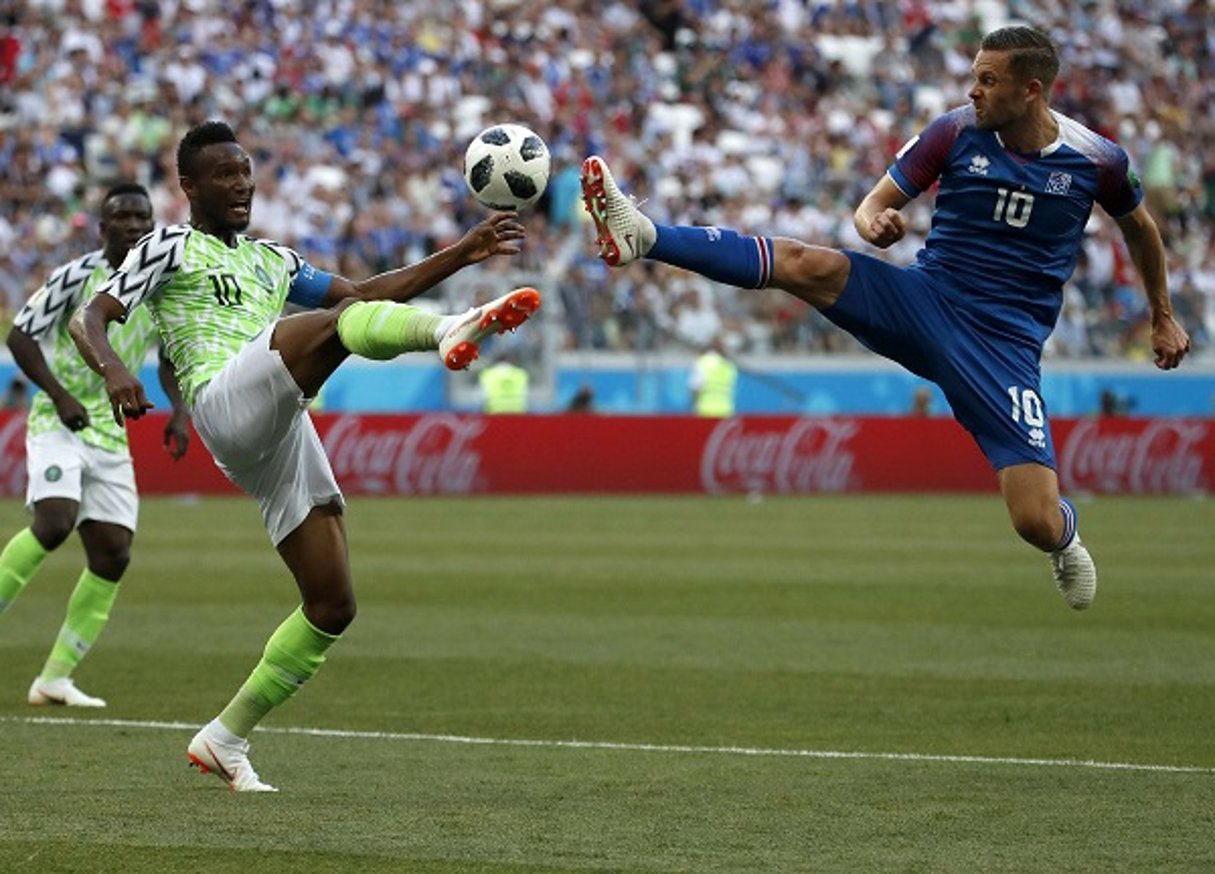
709	656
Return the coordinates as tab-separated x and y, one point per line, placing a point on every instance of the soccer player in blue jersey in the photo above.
1017	184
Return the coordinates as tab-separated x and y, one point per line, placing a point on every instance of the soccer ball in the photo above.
506	167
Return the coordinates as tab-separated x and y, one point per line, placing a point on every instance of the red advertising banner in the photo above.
456	454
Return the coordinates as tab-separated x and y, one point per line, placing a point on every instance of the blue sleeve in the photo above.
925	156
1119	190
309	287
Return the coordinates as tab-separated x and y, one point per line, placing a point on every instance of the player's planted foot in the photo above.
225	757
1075	574
622	232
461	344
61	692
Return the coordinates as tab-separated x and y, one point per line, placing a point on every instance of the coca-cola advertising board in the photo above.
460	454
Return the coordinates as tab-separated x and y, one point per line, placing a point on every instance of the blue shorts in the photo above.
991	378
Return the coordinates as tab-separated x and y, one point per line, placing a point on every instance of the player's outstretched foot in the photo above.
461	344
1075	574
61	692
622	232
213	754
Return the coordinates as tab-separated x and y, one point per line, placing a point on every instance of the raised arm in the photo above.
878	219
88	330
499	234
1170	342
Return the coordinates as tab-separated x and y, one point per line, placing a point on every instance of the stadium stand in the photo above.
773	115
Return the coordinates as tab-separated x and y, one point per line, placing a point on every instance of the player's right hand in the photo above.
127	397
72	413
886	228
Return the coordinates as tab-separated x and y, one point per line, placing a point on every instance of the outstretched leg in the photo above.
313	345
813	274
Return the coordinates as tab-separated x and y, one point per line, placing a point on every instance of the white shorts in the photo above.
252	417
61	465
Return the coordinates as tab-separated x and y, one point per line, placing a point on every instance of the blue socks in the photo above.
1069	522
717	253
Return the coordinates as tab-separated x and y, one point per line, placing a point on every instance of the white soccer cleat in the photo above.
1075	574
461	344
622	231
227	761
61	692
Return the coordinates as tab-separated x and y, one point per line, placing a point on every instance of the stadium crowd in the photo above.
770	116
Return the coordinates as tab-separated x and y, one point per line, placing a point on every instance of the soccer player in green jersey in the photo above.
248	376
77	457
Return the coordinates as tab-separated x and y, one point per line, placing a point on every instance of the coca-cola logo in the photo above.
1164	456
808	455
12	456
433	457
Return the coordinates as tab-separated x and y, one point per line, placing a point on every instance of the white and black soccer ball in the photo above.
506	167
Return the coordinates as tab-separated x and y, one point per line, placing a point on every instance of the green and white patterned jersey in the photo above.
208	300
45	318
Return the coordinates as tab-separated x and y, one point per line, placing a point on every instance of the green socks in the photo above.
19	562
293	655
382	329
88	611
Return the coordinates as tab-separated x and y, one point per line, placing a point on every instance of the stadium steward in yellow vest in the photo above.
713	379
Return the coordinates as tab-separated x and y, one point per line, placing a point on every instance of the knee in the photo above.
111	564
52	530
811	273
333	614
1040	526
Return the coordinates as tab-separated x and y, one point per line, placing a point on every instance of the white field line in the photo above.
670	749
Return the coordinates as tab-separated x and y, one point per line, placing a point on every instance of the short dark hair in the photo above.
124	188
198	138
1032	54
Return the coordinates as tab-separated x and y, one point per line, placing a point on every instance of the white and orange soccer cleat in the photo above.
215	750
61	692
461	343
622	232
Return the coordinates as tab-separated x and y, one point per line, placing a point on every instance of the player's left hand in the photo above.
886	228
177	436
496	235
1170	342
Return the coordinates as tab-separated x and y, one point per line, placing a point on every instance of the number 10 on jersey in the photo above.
1013	207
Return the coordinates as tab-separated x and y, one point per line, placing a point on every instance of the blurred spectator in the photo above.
16	396
504	385
749	113
921	402
1112	404
713	380
583	400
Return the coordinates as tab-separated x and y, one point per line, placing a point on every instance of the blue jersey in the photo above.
1007	227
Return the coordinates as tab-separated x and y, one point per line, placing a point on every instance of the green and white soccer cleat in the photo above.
1075	574
61	692
622	232
460	345
212	753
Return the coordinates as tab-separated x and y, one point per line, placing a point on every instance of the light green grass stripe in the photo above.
636	747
